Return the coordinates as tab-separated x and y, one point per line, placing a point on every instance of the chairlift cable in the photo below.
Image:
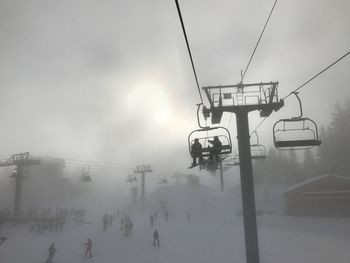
257	127
188	48
318	74
257	44
251	57
308	81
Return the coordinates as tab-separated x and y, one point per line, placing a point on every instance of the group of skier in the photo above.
126	226
42	224
41	220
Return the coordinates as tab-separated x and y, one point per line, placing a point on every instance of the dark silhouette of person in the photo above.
105	222
156	238
166	215
52	251
88	245
196	152
2	240
215	149
188	218
151	219
121	223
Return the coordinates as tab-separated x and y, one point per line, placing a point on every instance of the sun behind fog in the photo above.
148	101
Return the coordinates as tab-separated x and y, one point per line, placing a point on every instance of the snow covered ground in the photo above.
204	240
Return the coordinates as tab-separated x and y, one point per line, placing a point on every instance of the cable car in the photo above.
257	150
85	176
298	133
207	136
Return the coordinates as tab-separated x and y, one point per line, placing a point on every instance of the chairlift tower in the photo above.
242	99
143	169
19	160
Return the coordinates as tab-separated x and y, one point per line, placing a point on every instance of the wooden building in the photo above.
326	195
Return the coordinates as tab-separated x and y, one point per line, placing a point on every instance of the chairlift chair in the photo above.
258	151
86	176
163	180
131	178
236	160
206	134
233	161
298	133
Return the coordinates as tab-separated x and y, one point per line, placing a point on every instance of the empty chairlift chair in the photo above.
258	151
296	133
86	176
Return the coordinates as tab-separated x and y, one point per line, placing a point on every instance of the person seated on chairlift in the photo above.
215	149
196	152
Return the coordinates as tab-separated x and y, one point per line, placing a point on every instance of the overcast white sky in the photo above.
111	80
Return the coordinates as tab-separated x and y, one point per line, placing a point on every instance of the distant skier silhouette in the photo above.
188	218
156	238
2	240
151	219
52	251
88	245
105	222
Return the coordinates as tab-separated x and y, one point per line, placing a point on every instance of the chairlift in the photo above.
207	134
298	133
131	178
233	161
236	160
163	180
86	176
258	151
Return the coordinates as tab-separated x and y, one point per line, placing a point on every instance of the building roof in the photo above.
296	187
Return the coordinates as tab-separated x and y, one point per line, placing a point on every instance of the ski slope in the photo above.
204	240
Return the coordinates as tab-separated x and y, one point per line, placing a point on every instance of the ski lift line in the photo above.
93	167
257	44
308	81
82	163
188	48
112	163
318	74
87	162
257	127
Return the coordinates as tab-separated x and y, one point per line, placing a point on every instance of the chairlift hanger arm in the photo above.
300	105
257	137
198	119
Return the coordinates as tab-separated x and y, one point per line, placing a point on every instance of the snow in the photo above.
213	239
215	234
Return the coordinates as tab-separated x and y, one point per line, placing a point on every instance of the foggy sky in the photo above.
111	80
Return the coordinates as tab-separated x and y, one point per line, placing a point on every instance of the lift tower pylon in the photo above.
19	160
242	99
143	169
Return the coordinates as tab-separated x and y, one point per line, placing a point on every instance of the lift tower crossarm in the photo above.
143	169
